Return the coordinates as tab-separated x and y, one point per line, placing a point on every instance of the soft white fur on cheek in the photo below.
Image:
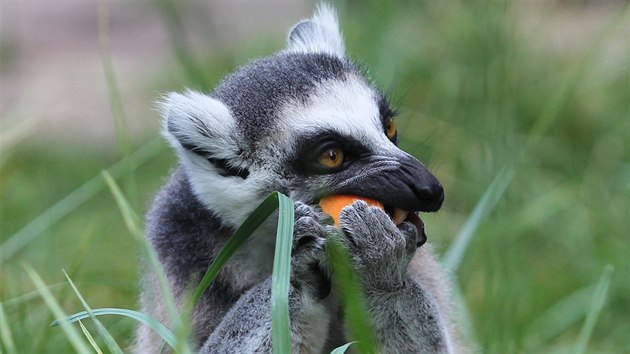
231	198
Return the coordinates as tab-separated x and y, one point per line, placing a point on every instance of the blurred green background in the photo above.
521	109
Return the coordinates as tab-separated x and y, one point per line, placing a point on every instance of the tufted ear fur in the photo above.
320	34
202	129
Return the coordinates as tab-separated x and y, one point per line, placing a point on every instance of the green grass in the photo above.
530	253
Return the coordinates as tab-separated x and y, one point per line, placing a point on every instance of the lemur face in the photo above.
305	122
346	143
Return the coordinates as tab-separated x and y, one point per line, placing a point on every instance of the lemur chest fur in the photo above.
253	262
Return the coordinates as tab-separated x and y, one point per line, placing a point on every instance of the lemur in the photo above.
304	121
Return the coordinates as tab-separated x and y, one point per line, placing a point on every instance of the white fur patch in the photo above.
201	121
198	120
348	107
231	198
320	34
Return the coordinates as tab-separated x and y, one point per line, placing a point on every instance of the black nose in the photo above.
431	196
410	186
428	192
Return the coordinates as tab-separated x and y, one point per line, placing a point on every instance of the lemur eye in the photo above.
331	158
390	128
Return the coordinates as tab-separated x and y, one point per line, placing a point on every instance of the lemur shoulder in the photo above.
306	122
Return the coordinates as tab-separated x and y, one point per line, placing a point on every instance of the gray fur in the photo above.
178	226
256	93
255	134
246	328
406	315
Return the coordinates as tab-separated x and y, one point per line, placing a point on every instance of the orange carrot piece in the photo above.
333	204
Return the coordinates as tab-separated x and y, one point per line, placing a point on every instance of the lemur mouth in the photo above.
400	216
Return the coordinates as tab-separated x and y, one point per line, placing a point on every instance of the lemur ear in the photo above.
198	123
319	34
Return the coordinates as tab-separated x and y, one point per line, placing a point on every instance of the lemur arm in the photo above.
246	328
408	320
405	312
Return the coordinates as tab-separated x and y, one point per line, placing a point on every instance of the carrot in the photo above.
333	204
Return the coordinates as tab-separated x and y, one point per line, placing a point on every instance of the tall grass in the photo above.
480	86
281	333
115	99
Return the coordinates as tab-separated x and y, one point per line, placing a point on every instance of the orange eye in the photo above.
331	158
390	128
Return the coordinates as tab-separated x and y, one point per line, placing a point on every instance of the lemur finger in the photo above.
326	219
307	226
363	229
410	233
385	221
302	242
306	272
309	247
371	218
309	254
322	217
312	211
304	210
374	217
352	221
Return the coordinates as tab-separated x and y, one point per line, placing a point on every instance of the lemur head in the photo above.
303	121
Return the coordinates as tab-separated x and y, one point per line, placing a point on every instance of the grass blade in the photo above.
558	318
131	220
17	125
486	204
29	296
257	217
464	318
76	198
342	349
102	331
90	339
129	215
73	336
281	334
115	100
5	333
597	304
345	281
169	10
280	323
156	326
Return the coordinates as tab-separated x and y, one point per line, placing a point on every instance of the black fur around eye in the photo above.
226	170
327	152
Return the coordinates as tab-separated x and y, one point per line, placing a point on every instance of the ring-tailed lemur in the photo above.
304	122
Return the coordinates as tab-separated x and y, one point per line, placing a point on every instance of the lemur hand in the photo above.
378	248
308	256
